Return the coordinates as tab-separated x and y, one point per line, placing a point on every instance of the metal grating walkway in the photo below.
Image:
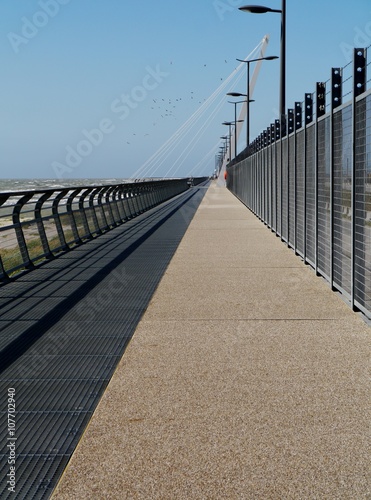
64	328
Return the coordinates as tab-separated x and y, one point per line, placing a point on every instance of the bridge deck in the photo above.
246	378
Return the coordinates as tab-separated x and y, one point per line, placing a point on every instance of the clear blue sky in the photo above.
66	65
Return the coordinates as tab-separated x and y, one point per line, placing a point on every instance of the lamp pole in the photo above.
229	125
235	130
230	135
268	58
257	9
236	94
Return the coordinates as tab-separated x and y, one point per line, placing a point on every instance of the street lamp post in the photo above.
259	9
230	135
235	120
236	94
268	58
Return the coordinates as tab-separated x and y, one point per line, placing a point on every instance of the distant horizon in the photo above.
25	184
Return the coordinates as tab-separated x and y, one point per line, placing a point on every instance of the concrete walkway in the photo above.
247	378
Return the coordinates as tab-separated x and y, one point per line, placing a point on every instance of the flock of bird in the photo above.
168	106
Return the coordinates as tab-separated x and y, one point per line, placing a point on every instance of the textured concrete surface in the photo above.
247	378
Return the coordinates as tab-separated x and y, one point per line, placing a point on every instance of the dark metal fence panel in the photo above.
324	228
264	184
342	239
258	173
274	186
268	190
362	243
253	165
285	191
261	184
300	191
310	202
279	187
292	190
37	225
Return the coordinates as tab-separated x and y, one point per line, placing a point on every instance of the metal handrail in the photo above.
39	225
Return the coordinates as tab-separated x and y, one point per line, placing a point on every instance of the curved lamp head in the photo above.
258	9
268	58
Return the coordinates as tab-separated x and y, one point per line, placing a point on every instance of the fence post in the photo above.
298	126
291	122
281	177
28	264
57	219
108	199
287	186
93	212
101	204
82	211
115	204
70	211
336	100
40	225
308	119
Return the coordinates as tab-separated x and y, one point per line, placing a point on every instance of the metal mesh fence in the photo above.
362	216
310	195
284	190
313	187
300	193
292	190
323	198
342	159
274	187
279	187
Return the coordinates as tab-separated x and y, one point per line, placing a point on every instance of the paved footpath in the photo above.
247	378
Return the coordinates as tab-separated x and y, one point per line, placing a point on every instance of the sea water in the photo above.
12	185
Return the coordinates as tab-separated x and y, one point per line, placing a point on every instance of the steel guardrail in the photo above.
39	225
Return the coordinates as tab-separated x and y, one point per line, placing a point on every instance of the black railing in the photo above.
40	224
312	186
